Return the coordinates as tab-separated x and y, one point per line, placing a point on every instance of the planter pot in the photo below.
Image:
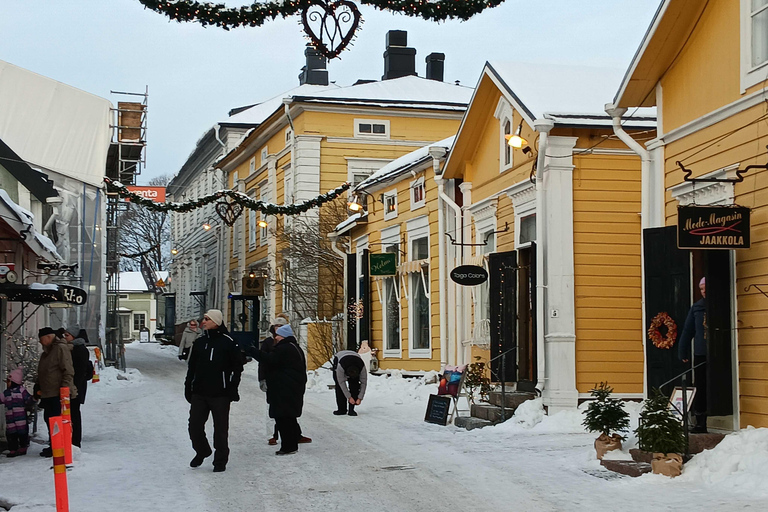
668	464
605	444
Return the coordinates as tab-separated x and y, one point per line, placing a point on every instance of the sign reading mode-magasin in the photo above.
713	227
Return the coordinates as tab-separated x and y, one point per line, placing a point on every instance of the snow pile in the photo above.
739	463
111	376
390	388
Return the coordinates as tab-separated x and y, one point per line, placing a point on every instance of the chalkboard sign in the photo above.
438	409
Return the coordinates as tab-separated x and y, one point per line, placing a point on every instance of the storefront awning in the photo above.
48	294
410	267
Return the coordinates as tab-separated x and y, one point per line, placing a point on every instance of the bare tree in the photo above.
312	276
144	230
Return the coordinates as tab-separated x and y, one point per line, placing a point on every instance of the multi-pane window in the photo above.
378	128
391	308
264	230
419	300
139	321
507	148
390	205
759	21
251	229
418	194
527	229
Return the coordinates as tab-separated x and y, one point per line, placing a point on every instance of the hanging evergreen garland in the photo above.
236	197
257	13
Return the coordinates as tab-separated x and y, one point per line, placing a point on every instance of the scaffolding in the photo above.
125	160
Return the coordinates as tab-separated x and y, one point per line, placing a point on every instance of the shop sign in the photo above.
72	295
469	275
253	286
384	264
156	194
713	227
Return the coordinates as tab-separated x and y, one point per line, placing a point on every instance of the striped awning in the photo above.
409	267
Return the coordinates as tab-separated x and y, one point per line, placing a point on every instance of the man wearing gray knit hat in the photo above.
213	376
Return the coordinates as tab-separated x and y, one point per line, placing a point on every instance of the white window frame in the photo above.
252	166
264	195
361	244
391	194
418	228
523	196
233	229
251	229
418	183
288	137
359	135
264	155
134	315
750	75
504	114
363	167
389	236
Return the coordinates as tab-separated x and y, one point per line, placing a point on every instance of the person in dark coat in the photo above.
695	330
351	379
80	360
213	377
285	370
54	371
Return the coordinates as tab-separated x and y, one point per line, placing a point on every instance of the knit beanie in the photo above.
73	330
284	331
45	331
17	375
215	315
279	321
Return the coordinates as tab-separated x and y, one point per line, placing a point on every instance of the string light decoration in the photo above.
221	197
257	13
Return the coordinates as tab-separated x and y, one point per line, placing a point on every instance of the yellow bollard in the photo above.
58	437
66	417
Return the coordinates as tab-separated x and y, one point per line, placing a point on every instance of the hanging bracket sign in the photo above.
713	227
469	275
384	264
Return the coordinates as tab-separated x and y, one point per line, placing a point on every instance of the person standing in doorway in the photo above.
351	380
83	373
188	337
695	330
285	371
54	371
213	377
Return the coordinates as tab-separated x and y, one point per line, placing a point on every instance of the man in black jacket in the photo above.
285	370
213	376
695	330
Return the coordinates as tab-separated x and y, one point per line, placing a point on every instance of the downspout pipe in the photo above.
543	126
437	153
334	238
645	161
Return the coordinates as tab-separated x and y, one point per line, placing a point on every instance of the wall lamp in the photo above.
207	226
516	140
262	223
359	201
174	251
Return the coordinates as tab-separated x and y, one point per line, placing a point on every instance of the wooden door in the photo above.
718	329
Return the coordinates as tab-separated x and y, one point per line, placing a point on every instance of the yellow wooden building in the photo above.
308	141
399	313
557	225
704	66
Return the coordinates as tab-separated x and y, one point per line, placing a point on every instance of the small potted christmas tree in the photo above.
661	433
607	416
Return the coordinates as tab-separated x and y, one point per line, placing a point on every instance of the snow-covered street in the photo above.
136	456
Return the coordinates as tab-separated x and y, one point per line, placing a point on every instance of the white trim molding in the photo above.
719	194
504	114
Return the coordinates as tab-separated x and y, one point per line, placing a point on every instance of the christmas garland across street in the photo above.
236	198
258	12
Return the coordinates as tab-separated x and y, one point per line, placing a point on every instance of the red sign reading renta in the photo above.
156	194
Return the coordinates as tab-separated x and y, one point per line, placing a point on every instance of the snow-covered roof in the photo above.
403	164
346	225
407	91
260	112
542	89
53	125
134	282
24	222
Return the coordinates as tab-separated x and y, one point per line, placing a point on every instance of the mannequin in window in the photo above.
695	330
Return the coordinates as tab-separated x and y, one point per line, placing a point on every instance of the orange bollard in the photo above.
58	437
66	416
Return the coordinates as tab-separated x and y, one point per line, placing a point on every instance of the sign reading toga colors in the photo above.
713	227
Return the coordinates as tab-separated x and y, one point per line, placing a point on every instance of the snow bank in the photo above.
111	376
530	417
739	463
390	388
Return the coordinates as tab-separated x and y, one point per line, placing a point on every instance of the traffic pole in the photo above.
66	416
58	436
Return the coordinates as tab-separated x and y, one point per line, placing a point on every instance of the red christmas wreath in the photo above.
654	333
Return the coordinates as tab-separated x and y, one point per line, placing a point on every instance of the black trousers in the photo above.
288	427
699	406
77	421
199	409
51	407
341	401
16	441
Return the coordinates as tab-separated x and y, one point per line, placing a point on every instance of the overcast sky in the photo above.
196	75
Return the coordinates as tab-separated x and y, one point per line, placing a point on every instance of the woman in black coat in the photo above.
285	370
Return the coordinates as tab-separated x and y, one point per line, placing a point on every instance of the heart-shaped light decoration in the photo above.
330	25
229	212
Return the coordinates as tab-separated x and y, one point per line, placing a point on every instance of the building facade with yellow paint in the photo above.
556	224
306	142
704	66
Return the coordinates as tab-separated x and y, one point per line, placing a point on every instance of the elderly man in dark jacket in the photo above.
213	376
285	370
54	371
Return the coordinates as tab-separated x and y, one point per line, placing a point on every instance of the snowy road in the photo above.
136	458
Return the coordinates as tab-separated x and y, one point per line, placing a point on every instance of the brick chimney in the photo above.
435	66
399	60
314	72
